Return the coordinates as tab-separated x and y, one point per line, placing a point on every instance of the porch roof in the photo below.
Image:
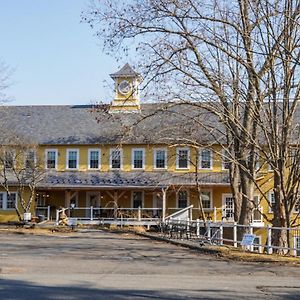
122	179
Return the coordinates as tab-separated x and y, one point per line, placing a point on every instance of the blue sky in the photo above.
56	59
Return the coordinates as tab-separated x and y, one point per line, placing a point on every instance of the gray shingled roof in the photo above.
85	124
118	179
125	71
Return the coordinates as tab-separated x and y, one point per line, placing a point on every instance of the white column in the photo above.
164	193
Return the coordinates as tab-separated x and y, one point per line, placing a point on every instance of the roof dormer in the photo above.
127	96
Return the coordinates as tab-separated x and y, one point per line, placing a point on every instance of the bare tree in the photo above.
21	171
212	55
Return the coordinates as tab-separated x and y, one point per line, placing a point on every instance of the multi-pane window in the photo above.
30	159
225	160
115	158
72	159
205	159
94	159
297	245
137	199
272	201
228	211
8	200
182	199
8	159
182	158
51	157
138	158
160	159
206	199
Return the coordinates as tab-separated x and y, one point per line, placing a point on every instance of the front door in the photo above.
93	199
228	207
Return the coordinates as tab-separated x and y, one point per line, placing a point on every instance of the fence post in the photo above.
139	214
57	217
198	227
188	227
269	246
235	244
221	233
208	230
92	213
48	213
215	214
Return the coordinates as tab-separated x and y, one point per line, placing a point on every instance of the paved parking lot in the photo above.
102	265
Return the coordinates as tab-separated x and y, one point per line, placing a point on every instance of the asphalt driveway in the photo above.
102	265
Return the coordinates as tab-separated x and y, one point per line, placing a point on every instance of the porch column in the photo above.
164	200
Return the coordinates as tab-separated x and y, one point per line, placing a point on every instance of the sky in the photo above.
55	58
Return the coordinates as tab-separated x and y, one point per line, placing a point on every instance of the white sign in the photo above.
248	240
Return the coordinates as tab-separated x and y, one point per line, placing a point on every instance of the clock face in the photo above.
124	87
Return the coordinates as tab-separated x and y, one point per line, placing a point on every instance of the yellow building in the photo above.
108	161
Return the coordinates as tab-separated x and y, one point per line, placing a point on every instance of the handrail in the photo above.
179	212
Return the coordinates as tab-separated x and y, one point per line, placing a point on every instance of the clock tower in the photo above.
127	97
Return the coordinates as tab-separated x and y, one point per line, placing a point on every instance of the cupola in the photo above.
127	97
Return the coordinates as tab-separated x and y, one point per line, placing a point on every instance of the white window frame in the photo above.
224	196
56	158
188	158
34	156
89	158
77	158
5	194
143	158
200	159
295	244
270	193
188	197
143	197
224	153
259	242
260	208
154	158
110	158
211	197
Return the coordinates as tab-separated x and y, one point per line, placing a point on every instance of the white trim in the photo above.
211	159
110	158
270	193
143	198
154	158
177	158
188	197
143	158
295	244
77	158
259	242
224	196
260	208
5	194
56	157
99	158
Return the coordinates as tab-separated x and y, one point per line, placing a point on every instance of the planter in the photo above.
27	217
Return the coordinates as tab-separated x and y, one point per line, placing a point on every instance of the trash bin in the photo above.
41	218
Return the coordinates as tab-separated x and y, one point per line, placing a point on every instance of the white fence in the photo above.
227	233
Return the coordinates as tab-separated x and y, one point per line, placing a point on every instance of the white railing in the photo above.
43	211
227	233
108	214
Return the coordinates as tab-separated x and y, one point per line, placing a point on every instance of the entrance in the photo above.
93	199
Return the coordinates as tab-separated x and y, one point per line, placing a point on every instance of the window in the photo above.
51	159
115	159
206	199
205	159
72	159
94	159
138	158
225	160
271	202
8	200
30	159
297	245
9	159
182	158
182	199
256	213
297	206
256	244
228	207
160	159
137	199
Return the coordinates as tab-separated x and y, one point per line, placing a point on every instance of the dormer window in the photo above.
51	158
138	158
72	159
182	158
